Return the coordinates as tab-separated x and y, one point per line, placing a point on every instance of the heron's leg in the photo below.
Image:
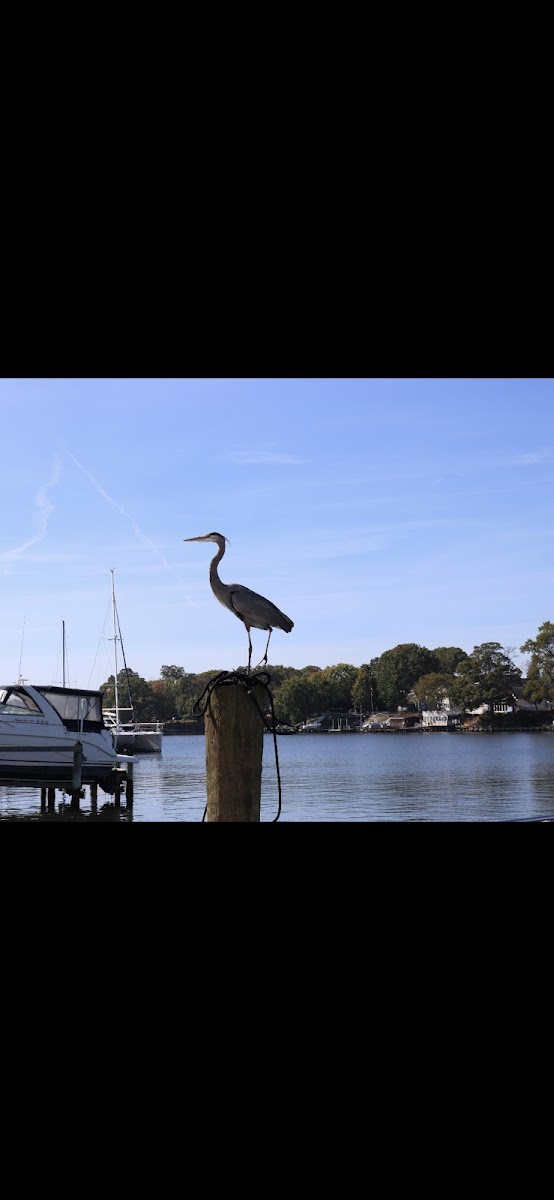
263	661
247	627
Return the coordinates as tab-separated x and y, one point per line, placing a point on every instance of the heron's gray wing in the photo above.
255	610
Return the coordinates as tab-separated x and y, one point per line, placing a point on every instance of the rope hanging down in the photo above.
238	679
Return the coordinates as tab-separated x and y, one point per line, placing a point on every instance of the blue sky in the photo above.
371	511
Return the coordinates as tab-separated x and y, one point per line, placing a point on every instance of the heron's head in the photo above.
218	538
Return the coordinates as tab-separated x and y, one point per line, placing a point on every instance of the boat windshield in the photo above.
77	709
17	703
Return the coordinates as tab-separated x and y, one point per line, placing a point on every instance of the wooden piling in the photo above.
234	747
77	768
129	786
76	780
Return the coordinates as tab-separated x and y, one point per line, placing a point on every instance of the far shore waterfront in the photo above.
406	688
350	722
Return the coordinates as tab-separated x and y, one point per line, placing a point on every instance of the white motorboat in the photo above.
40	729
130	736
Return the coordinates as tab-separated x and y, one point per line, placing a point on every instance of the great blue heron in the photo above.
253	610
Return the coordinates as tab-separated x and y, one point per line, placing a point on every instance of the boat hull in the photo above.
138	743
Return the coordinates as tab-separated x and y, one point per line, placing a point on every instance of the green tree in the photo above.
297	699
431	690
142	696
180	689
398	669
364	690
172	673
540	674
278	673
336	685
448	658
486	676
164	703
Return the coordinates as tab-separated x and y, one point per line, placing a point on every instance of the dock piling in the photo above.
129	786
234	748
76	781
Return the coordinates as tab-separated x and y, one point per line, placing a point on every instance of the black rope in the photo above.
238	679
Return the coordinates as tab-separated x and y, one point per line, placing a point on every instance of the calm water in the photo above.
371	777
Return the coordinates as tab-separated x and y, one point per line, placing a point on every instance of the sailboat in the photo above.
130	736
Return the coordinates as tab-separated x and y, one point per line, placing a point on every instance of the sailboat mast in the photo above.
21	654
63	653
115	653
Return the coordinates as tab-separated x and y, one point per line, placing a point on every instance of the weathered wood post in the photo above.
234	747
129	786
77	774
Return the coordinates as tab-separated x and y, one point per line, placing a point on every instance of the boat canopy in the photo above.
78	708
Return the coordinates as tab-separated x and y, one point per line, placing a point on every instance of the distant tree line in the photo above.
405	676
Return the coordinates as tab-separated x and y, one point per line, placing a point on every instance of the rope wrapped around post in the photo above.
231	729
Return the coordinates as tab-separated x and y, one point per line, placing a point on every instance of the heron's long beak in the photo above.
196	539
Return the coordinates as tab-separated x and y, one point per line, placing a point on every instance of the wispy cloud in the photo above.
263	456
534	456
141	537
44	510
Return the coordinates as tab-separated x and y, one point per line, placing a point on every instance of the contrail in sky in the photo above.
44	511
146	541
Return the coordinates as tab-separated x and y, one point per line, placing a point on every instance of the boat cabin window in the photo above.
77	709
17	703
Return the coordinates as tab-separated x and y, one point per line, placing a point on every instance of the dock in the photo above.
74	790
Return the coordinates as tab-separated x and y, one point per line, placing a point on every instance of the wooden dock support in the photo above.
77	769
76	781
234	748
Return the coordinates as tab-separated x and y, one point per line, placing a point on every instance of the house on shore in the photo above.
514	701
441	718
404	720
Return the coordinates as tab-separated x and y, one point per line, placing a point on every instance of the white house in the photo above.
441	718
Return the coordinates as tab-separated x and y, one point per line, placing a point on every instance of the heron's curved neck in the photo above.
214	577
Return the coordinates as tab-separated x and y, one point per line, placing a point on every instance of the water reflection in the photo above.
105	812
27	804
